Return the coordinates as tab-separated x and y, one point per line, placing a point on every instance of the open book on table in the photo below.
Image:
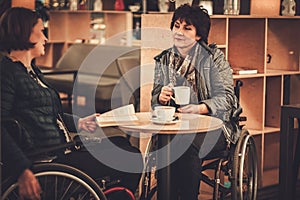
122	115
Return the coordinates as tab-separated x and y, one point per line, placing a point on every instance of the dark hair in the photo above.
15	29
193	15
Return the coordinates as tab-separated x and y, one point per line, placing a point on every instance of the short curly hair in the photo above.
16	25
193	15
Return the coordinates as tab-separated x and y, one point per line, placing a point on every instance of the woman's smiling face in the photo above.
184	35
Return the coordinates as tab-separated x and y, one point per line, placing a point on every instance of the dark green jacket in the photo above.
35	107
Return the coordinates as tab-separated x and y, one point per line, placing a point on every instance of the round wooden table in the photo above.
186	124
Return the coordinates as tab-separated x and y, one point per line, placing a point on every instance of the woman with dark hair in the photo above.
28	98
190	62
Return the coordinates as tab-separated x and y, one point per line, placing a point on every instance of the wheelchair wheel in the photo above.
59	181
244	184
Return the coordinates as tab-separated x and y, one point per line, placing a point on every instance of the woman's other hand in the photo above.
29	187
195	109
165	95
88	123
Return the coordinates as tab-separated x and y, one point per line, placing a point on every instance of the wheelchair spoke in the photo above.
66	190
13	196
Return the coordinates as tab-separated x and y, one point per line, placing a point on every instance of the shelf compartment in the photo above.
274	72
251	100
259	144
282	45
268	129
291	93
72	25
270	177
294	89
245	46
218	32
122	23
69	25
273	101
254	131
57	29
271	157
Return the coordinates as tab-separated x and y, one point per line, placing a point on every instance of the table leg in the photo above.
164	186
296	163
286	155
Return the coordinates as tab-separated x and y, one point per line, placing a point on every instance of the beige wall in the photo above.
156	37
23	3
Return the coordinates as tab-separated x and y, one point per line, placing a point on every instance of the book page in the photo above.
122	115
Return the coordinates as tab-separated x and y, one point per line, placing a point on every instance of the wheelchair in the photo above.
60	181
235	171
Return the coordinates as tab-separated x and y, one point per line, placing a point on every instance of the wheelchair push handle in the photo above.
237	88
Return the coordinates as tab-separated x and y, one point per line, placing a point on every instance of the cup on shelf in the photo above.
98	5
208	5
163	5
73	5
231	7
134	7
164	113
182	95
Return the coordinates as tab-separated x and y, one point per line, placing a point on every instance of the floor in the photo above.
265	193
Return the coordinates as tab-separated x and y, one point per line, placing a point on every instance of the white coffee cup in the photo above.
182	95
165	113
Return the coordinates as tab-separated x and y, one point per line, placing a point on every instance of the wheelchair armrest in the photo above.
237	113
243	119
44	155
69	145
14	127
37	156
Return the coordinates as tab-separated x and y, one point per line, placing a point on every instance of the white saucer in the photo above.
156	121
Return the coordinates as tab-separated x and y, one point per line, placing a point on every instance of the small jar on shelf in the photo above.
119	5
163	5
208	5
288	8
231	7
73	4
98	5
82	5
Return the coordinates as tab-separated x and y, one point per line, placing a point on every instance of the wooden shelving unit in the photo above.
247	41
67	27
